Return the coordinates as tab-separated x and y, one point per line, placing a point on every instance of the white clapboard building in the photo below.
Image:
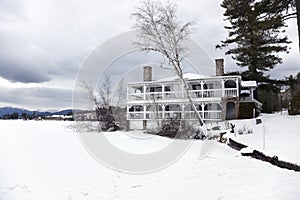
217	98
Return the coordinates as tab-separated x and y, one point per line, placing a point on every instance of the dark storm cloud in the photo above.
38	44
22	60
17	71
29	97
19	58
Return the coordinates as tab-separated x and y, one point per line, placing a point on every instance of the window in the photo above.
195	86
136	108
173	107
139	90
212	106
245	92
155	89
167	88
212	85
230	84
154	108
190	108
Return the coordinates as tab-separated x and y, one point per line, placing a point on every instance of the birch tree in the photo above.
160	31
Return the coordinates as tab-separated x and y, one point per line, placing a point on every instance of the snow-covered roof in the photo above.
185	76
249	84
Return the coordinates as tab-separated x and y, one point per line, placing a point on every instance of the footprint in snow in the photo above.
136	186
84	193
22	188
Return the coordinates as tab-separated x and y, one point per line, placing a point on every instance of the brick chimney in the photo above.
147	73
220	67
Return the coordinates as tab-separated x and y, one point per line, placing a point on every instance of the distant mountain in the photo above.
11	110
63	112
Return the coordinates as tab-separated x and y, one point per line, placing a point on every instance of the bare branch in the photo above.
90	94
105	92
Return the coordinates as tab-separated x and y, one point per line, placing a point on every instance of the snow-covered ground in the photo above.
279	134
46	160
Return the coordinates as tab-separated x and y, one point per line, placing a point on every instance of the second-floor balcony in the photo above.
156	96
215	87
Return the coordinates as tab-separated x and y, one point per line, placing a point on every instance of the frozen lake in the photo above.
46	160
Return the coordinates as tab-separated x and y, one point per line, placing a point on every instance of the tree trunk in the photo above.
298	19
201	122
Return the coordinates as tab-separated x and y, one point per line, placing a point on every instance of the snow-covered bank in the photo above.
45	160
279	134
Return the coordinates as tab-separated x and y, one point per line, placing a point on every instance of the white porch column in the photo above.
144	114
144	88
202	110
182	90
128	106
202	89
182	111
252	93
163	90
223	87
163	111
237	87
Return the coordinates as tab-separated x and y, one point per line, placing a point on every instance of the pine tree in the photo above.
288	8
255	36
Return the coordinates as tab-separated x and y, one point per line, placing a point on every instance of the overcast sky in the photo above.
44	42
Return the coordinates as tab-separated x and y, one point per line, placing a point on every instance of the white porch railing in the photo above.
135	115
206	115
172	95
209	93
231	92
153	115
192	115
135	96
212	93
173	114
206	93
212	115
196	93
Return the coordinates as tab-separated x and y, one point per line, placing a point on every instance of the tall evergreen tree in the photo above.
255	36
298	19
288	8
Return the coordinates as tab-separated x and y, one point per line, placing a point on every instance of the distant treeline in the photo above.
26	116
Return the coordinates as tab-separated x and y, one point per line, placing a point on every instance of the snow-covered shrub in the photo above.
169	128
85	126
180	129
106	119
244	130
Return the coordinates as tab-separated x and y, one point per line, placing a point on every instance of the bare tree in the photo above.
91	97
121	93
119	101
160	31
101	101
105	92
